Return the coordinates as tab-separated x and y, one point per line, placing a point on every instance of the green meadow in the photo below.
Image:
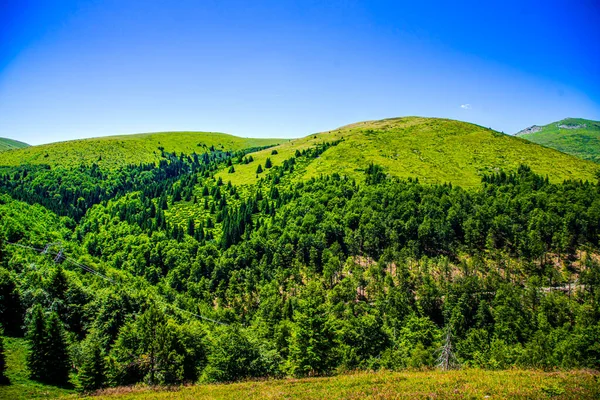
114	151
431	149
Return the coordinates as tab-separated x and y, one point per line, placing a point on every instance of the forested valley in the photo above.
164	274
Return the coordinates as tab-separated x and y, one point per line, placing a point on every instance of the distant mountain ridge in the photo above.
114	151
434	150
11	144
576	136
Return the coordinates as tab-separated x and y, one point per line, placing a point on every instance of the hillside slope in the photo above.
129	149
576	136
10	144
431	149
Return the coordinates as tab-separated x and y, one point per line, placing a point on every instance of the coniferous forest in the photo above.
163	273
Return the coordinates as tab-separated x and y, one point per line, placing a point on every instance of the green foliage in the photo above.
311	341
150	341
92	373
48	360
232	356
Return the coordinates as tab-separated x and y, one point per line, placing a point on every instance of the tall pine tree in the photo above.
36	334
92	373
58	354
48	359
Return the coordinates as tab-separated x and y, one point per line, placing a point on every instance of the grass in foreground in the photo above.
465	384
20	386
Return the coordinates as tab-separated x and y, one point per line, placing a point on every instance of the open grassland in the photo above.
576	136
9	144
129	149
467	384
431	149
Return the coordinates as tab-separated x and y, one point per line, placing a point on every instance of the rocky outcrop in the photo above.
564	126
531	129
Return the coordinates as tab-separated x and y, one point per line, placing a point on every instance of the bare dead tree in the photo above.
447	360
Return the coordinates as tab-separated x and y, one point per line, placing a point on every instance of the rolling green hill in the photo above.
576	136
129	149
432	149
10	144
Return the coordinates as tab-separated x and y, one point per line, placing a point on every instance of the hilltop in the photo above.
10	144
576	136
113	151
432	149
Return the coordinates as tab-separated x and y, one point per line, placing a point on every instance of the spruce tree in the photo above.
259	169
58	354
268	163
92	372
191	229
48	359
36	334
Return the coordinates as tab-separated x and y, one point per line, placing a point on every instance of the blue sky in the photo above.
72	69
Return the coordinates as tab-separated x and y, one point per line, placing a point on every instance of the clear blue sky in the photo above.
71	69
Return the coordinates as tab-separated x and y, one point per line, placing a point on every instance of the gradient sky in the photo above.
72	69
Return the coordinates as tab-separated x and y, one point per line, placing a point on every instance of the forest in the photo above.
164	274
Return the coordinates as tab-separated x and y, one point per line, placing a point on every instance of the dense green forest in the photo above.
165	273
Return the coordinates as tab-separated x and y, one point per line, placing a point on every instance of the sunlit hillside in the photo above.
129	149
431	149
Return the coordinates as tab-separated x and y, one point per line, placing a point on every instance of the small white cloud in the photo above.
465	106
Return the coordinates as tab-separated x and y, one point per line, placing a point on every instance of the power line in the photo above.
60	255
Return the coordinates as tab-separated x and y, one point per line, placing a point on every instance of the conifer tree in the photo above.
58	354
92	372
48	359
259	169
311	337
37	359
268	163
191	228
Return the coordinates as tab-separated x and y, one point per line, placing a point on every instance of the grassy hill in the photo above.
576	136
10	144
117	150
432	149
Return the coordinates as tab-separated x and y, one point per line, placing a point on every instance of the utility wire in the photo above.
60	255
